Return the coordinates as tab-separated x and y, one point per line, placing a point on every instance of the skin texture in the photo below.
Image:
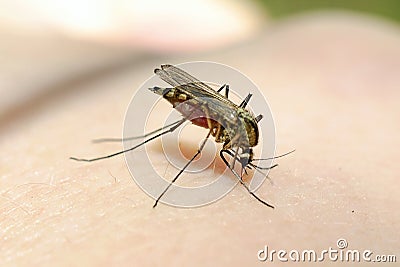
332	83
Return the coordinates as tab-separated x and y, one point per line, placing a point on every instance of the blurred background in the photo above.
46	44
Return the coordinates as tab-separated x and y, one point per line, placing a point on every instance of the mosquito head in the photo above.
246	157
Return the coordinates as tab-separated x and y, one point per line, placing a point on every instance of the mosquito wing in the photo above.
189	84
203	96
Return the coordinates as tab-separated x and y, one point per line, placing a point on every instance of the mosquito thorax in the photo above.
251	126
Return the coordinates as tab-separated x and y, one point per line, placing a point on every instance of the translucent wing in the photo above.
189	84
176	77
203	98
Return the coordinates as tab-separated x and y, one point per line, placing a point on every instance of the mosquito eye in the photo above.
244	161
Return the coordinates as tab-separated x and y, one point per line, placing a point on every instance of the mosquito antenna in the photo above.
280	156
263	168
183	169
132	148
102	140
221	153
236	156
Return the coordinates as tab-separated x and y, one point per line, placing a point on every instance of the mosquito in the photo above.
230	124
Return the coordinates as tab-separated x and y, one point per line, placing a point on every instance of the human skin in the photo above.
332	84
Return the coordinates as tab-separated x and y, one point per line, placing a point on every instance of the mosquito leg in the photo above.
234	159
221	88
226	86
218	133
221	153
263	168
245	101
183	169
273	166
227	91
250	165
258	118
209	123
230	153
132	148
101	140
